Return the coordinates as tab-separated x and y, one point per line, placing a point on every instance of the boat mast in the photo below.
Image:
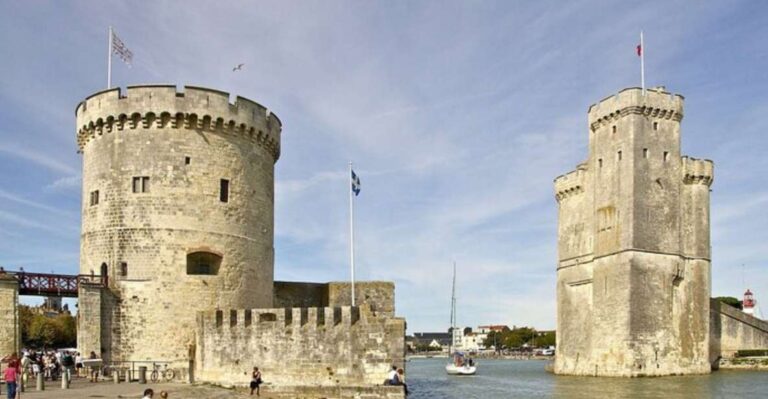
453	310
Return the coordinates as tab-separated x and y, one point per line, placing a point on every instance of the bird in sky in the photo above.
238	67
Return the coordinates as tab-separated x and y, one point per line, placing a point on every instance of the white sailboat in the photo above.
458	364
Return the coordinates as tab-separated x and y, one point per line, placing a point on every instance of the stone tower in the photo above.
633	276
177	214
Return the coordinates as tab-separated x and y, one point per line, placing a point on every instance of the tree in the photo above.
39	330
729	300
546	340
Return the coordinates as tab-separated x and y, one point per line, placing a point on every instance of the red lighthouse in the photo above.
749	303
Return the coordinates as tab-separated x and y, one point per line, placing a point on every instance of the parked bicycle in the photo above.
163	372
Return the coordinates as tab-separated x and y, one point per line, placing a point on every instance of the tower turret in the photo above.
177	213
633	272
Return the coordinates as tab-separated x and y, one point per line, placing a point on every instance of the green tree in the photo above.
39	330
546	340
729	300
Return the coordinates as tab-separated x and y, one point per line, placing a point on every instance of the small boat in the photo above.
459	364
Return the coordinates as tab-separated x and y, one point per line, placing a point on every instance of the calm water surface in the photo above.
527	379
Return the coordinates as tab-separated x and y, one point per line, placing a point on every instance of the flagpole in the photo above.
351	233
109	60
642	62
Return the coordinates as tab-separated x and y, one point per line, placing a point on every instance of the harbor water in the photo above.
426	378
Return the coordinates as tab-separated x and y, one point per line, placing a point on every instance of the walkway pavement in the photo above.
82	389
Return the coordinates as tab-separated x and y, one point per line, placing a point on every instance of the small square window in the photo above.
94	197
655	125
224	191
141	184
187	160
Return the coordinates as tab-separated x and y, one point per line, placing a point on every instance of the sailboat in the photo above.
458	364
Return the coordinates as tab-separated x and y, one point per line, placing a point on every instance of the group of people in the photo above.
51	364
397	377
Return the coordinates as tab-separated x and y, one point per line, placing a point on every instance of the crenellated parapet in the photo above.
571	183
162	107
698	171
654	103
307	346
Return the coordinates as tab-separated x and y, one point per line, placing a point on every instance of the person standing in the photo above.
256	381
11	375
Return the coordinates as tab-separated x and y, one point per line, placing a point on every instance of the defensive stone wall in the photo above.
378	295
327	346
10	334
733	330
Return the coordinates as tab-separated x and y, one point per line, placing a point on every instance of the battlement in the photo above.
571	183
655	103
276	319
300	346
698	171
161	106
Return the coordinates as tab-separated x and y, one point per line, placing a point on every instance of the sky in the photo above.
457	116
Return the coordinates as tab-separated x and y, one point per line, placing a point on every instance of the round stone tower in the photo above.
177	214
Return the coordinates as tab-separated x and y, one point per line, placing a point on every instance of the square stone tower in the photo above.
633	275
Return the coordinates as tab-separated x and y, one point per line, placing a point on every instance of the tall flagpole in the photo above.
642	62
351	232
109	60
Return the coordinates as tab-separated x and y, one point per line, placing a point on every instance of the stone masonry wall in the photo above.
633	245
733	330
10	333
379	295
185	144
331	346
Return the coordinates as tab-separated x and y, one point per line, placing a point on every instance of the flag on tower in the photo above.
119	48
639	50
355	184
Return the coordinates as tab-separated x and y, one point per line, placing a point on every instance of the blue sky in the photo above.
458	116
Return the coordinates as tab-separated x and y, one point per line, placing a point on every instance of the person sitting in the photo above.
391	377
256	381
400	375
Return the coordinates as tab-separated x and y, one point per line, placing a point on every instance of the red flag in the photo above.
639	50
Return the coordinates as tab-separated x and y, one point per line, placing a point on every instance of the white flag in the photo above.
118	47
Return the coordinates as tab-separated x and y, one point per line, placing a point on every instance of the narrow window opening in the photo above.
224	191
645	153
618	155
187	160
219	318
613	128
123	269
232	318
248	317
141	184
600	163
666	156
203	263
655	125
94	197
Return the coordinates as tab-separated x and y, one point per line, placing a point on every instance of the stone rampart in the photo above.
733	330
10	335
328	346
379	295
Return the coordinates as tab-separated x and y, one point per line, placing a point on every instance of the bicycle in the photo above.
165	373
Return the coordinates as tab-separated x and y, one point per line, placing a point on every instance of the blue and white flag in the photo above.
355	184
